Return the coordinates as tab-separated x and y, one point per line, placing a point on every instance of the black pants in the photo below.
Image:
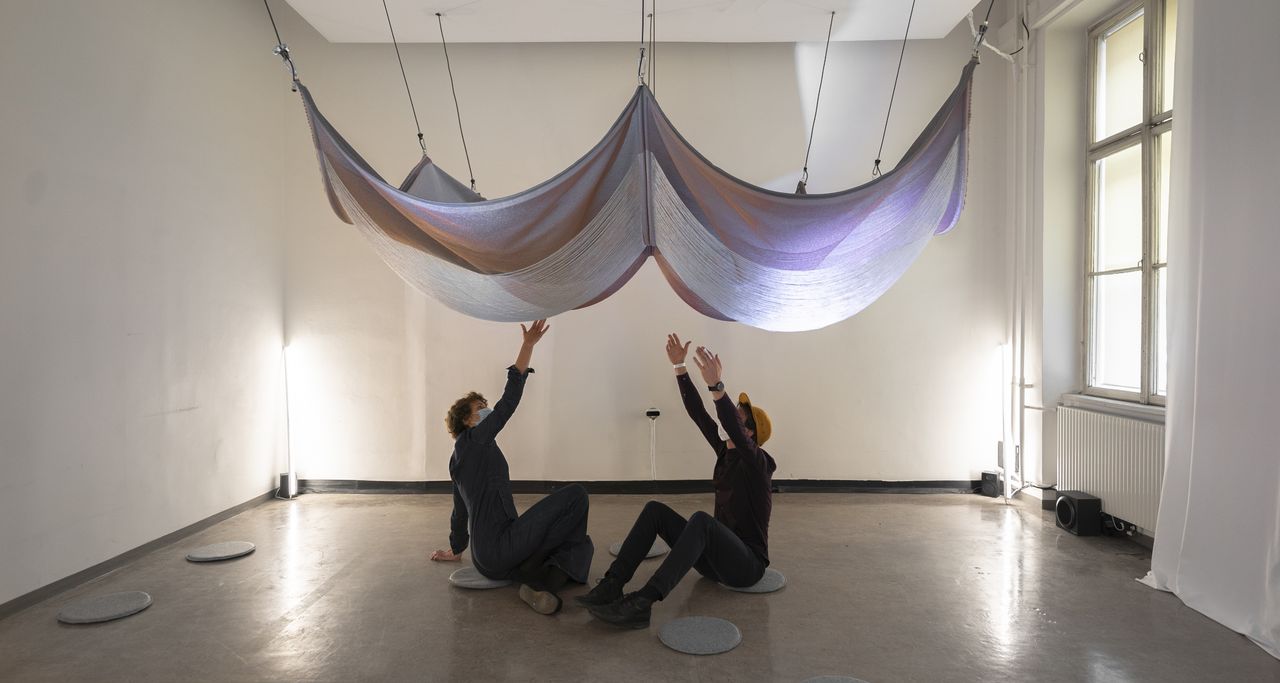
554	530
700	543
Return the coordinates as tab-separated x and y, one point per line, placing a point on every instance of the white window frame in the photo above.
1146	133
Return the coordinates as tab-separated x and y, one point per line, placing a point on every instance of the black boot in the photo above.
607	590
632	611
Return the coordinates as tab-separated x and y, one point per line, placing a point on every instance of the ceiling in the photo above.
573	21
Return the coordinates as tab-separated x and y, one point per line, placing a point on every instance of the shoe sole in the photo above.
542	602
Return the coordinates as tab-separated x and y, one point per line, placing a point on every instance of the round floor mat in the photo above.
221	551
700	635
104	607
833	679
658	549
470	577
771	581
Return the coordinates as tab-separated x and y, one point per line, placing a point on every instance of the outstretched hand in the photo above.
676	351
709	364
533	333
445	556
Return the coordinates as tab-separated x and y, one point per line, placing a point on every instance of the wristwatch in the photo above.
718	386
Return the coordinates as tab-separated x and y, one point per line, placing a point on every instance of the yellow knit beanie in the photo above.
764	428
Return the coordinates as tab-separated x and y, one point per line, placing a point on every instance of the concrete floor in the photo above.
880	587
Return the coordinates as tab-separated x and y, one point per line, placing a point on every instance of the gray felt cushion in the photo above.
659	548
470	577
221	551
104	607
770	582
833	679
700	635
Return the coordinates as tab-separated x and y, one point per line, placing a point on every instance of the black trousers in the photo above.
700	543
554	530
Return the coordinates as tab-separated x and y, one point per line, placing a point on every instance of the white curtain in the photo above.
1218	536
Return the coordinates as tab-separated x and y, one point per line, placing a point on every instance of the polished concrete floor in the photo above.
880	587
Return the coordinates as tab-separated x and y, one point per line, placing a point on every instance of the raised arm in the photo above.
713	372
489	427
676	353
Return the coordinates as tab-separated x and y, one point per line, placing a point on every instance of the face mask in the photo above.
483	413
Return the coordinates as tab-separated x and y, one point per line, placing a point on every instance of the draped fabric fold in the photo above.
729	249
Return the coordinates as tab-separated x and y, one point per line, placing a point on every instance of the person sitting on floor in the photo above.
544	548
733	546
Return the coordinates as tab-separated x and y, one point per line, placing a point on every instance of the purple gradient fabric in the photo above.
729	249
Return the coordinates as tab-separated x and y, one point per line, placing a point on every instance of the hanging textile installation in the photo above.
730	250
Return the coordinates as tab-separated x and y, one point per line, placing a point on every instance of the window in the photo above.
1130	130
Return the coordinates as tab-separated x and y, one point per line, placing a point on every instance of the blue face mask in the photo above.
483	413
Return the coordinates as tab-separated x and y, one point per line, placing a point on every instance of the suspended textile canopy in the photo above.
731	250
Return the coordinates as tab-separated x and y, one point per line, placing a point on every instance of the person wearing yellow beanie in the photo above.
731	546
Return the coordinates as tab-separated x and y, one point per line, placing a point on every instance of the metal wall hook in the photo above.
282	51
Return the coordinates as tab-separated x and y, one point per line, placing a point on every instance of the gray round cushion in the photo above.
104	607
833	679
700	635
771	581
658	549
470	577
221	551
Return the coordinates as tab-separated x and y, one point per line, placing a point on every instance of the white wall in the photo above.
907	390
140	275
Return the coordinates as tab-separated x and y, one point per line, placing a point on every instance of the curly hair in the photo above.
460	412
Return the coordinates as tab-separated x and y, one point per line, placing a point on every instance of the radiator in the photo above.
1118	459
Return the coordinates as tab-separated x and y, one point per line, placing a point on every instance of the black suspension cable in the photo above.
272	17
281	49
875	171
990	5
804	174
641	64
421	141
982	30
653	47
444	44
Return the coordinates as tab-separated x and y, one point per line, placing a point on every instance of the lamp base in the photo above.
288	485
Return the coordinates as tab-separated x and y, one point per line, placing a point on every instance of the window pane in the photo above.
1118	217
1119	76
1162	333
1164	146
1117	332
1170	38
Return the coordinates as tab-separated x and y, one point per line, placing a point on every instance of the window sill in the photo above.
1110	406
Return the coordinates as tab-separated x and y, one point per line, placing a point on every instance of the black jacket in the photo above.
481	478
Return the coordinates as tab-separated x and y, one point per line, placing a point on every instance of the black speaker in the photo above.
1079	513
991	484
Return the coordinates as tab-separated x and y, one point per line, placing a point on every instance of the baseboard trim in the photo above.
43	593
877	486
370	486
648	487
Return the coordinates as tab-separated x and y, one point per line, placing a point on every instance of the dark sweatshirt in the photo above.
743	476
481	478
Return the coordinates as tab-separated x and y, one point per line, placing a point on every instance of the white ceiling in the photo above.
572	21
